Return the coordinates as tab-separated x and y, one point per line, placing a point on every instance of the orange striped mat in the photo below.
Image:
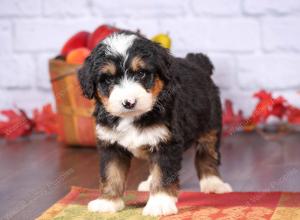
192	205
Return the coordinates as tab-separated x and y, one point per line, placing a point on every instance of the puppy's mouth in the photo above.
131	112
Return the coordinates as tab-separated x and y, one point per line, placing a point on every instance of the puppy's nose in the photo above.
129	103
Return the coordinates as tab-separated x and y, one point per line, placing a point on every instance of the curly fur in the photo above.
188	105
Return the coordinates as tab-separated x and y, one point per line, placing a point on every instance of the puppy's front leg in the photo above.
164	186
114	166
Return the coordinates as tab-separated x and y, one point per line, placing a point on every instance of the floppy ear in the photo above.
85	77
164	60
86	74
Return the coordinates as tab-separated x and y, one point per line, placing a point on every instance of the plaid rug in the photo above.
192	205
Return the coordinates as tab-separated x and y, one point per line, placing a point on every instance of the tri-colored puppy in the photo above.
152	105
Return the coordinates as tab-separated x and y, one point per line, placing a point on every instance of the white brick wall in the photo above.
17	8
281	34
129	9
216	7
269	71
254	44
276	7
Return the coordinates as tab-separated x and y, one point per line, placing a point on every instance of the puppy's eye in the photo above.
108	81
141	75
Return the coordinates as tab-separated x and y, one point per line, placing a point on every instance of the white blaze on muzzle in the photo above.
132	93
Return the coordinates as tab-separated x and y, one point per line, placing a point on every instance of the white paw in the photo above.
145	185
105	205
160	204
213	184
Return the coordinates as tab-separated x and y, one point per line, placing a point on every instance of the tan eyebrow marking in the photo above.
104	99
109	68
157	87
137	63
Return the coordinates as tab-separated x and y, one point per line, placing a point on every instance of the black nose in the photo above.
129	104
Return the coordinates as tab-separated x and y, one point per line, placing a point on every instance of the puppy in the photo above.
154	106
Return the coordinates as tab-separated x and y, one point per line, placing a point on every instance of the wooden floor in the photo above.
35	173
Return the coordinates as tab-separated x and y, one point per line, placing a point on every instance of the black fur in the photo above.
201	61
189	104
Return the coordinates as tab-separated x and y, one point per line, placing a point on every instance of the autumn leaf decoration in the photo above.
232	121
293	115
267	106
45	120
18	124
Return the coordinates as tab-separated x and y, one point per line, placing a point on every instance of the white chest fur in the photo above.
131	137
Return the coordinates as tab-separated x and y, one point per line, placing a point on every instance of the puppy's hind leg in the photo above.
145	185
207	162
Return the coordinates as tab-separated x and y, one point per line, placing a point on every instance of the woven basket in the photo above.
76	124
